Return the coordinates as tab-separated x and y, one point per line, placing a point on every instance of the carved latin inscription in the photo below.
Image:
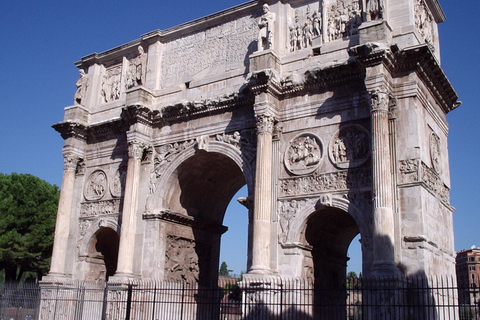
200	51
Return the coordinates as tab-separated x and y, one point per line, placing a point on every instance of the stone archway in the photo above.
199	191
102	254
329	232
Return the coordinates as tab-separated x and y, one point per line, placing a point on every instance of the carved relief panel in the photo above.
425	23
95	186
111	84
344	18
303	154
350	147
182	259
305	26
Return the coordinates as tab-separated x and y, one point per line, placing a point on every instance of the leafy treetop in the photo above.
28	207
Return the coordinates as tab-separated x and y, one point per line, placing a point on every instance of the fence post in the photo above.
129	301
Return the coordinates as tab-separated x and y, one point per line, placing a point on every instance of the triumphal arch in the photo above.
332	113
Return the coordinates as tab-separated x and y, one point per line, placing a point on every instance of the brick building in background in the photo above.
468	275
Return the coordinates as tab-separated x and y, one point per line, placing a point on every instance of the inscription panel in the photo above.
217	46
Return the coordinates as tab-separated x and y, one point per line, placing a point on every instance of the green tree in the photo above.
224	272
28	207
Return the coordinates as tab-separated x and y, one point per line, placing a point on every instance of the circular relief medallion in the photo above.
117	183
435	151
304	154
350	147
95	186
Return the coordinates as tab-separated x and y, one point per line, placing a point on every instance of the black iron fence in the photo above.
252	298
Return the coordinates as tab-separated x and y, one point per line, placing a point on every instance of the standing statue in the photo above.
81	87
265	35
317	24
137	70
374	9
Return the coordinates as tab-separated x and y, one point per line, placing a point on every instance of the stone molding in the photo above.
334	181
181	219
415	172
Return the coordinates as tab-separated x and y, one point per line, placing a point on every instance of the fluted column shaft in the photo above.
129	214
62	226
384	230
263	194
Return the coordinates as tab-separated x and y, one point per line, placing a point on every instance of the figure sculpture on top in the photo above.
137	70
81	87
266	25
374	9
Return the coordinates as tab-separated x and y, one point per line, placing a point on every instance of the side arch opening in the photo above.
102	254
329	232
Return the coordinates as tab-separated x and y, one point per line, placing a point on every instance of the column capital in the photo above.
380	99
70	162
136	149
265	123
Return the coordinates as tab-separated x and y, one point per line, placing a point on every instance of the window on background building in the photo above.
472	268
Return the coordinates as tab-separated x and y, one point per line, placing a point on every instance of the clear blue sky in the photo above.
40	41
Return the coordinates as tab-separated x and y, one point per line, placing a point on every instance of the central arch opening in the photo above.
205	184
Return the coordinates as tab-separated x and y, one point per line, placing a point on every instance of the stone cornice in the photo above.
436	10
421	59
312	79
184	110
178	218
68	129
139	114
418	59
104	130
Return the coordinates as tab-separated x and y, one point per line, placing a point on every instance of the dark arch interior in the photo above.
205	184
107	245
329	232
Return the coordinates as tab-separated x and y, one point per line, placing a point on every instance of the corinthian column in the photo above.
384	231
263	194
129	214
62	226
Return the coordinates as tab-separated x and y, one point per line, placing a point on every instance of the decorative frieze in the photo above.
92	209
434	183
415	171
334	181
